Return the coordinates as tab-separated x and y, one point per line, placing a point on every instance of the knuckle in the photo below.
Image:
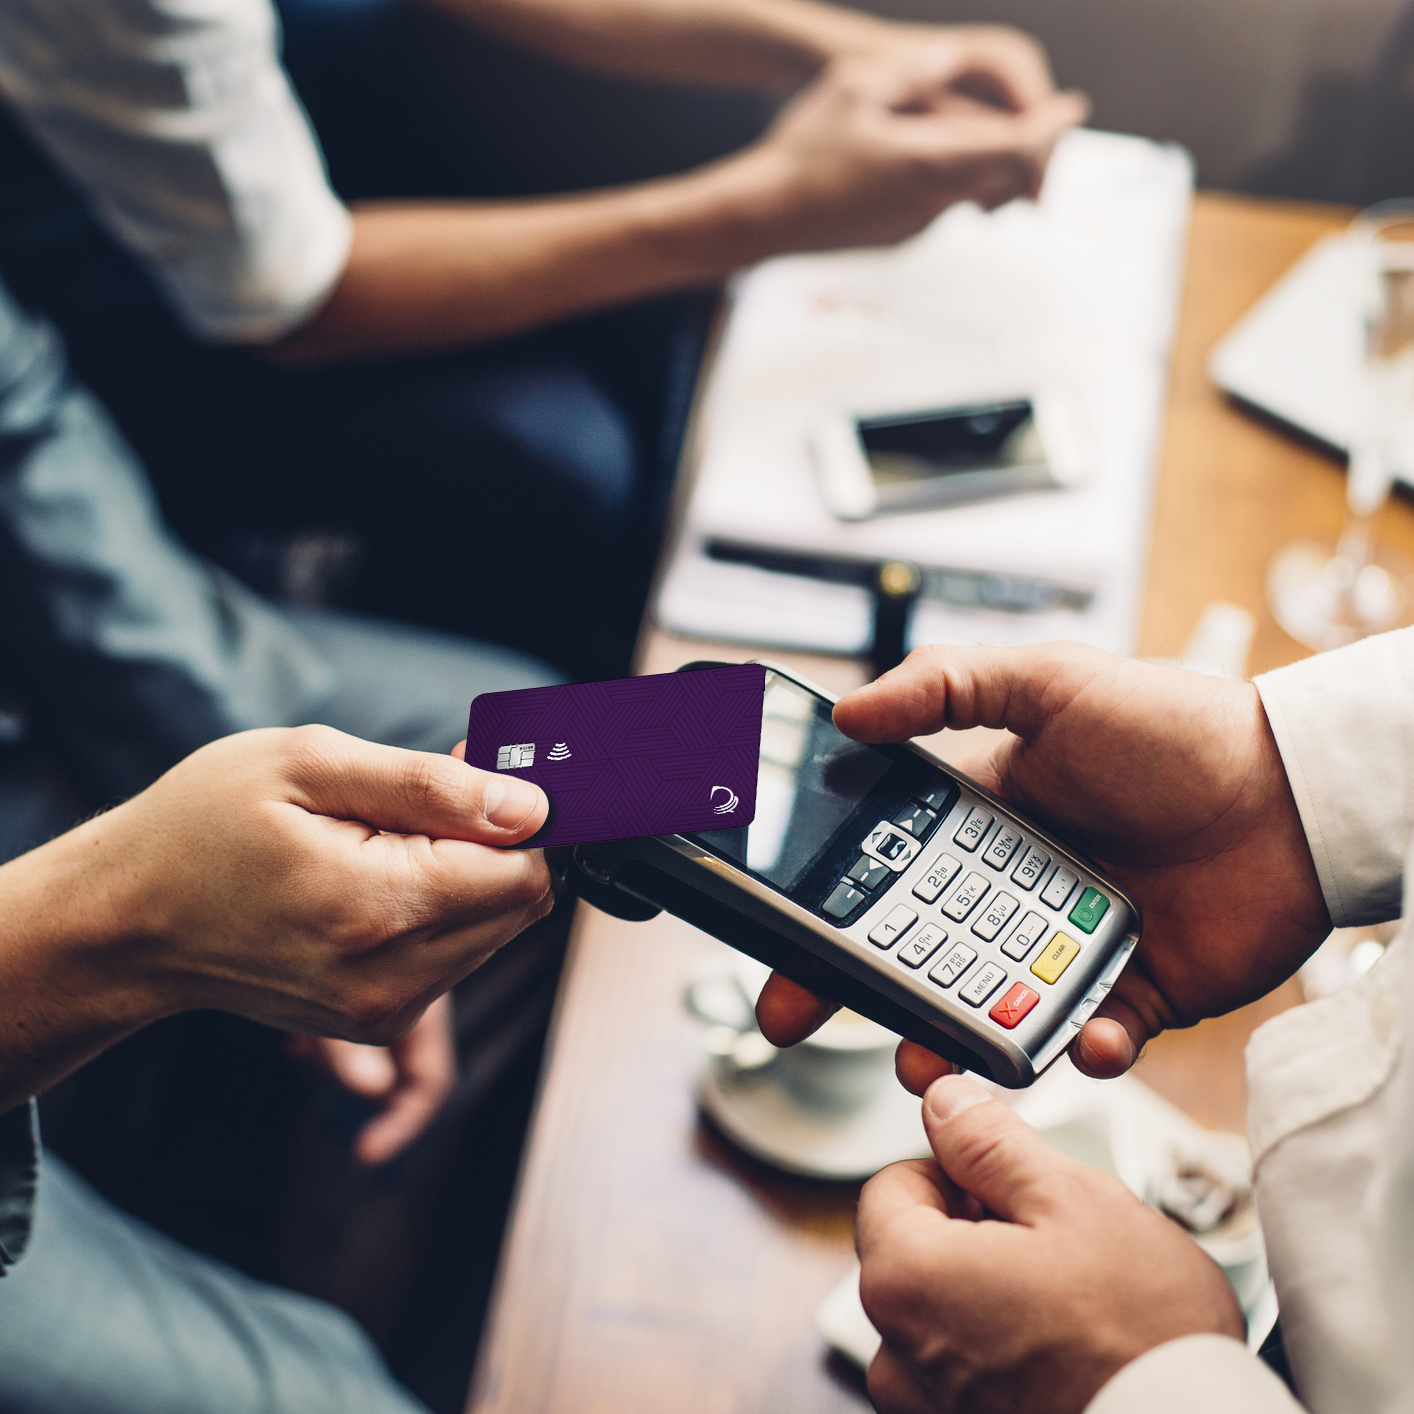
304	750
426	783
894	1288
881	1296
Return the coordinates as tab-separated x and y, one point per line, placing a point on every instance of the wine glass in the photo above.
1323	594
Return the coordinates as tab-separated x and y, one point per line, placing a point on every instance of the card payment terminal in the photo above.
887	881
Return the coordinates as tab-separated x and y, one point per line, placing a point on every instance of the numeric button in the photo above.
1003	846
941	872
970	832
919	948
984	982
1028	933
968	895
1032	865
957	961
995	917
892	926
1058	890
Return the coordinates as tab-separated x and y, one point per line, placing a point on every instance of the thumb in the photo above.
988	1151
365	1070
936	687
409	792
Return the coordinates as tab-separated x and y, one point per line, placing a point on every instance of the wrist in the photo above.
79	955
718	219
830	32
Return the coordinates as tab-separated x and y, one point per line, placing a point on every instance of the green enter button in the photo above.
1092	907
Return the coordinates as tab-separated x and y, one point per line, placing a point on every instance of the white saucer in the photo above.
756	1112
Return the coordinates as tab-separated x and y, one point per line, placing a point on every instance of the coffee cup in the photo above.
841	1067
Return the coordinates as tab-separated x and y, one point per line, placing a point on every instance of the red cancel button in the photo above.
1014	1005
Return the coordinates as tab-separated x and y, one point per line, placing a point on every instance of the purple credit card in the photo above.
657	755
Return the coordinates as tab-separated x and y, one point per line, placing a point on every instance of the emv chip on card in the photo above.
657	755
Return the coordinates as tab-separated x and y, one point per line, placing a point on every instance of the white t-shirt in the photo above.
178	123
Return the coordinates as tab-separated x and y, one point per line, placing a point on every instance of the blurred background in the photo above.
1273	97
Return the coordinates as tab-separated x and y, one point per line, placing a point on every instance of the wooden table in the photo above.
649	1266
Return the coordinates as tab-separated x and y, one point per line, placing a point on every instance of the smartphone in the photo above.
882	878
869	466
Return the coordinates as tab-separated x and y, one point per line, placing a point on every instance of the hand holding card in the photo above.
663	754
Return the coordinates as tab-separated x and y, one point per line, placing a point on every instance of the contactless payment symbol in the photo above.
560	752
516	758
726	806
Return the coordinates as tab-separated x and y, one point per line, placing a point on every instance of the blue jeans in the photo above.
104	1315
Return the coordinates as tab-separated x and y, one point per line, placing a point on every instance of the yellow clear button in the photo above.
1057	955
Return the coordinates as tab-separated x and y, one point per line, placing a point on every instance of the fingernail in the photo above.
509	800
949	1095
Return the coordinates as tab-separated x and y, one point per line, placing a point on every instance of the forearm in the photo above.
771	44
72	977
424	277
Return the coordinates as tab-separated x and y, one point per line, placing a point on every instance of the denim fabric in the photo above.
106	1316
125	652
19	1170
121	643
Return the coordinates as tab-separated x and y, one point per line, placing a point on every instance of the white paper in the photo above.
1077	292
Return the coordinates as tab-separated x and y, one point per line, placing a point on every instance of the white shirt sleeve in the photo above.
1196	1374
178	123
1344	723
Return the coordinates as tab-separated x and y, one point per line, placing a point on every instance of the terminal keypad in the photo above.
982	983
973	828
895	923
891	850
1058	890
1032	865
953	965
966	897
941	872
1004	843
845	899
995	916
1026	935
918	820
924	943
869	873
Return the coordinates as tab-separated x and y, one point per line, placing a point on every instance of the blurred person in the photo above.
1246	820
121	652
525	363
302	878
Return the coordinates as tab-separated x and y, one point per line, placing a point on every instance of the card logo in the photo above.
560	753
516	758
728	805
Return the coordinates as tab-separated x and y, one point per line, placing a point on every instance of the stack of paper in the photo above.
1077	293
